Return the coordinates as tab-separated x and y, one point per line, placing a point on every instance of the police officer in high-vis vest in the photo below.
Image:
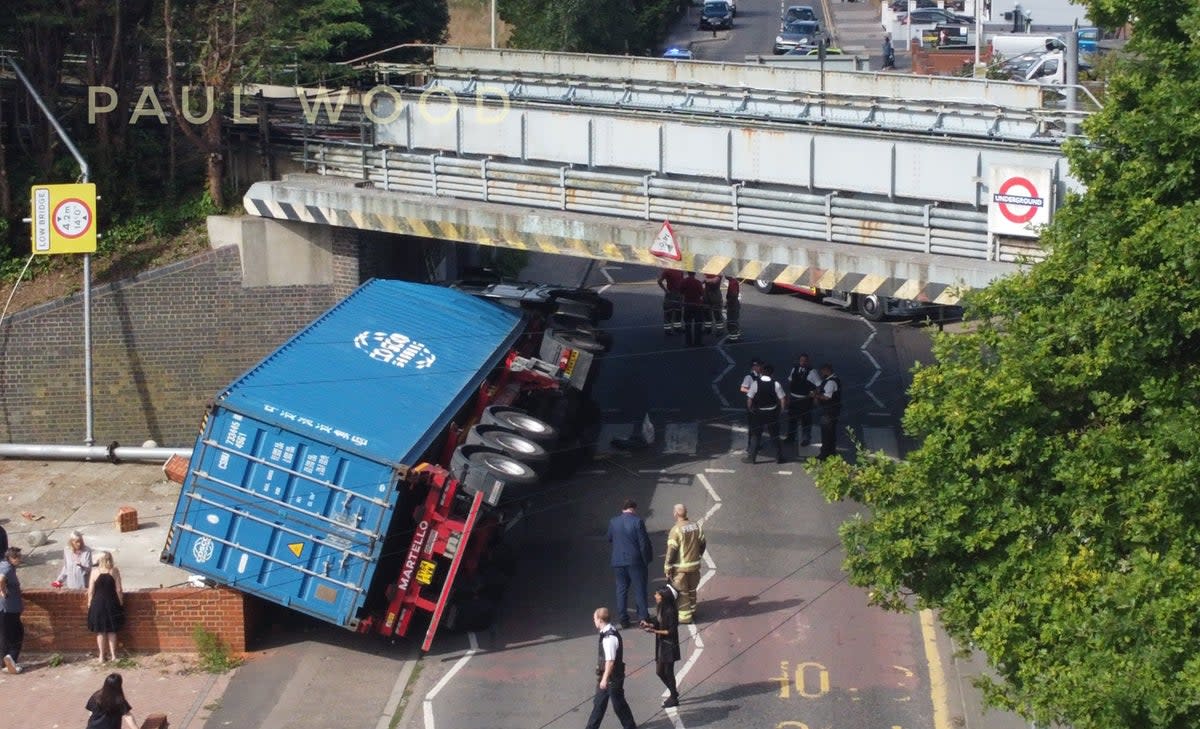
685	547
610	668
765	401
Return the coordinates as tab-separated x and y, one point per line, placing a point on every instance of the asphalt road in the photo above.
782	640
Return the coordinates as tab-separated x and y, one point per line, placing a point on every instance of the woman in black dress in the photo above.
106	605
665	627
109	707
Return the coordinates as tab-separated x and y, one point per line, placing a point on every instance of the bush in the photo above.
214	655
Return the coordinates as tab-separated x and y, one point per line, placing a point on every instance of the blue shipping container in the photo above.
291	489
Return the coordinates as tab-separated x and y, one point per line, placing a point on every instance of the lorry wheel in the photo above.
538	431
871	307
510	443
764	285
500	477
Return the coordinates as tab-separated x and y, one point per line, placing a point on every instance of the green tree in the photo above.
588	26
1051	512
225	43
393	22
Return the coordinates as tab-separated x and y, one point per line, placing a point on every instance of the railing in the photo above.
921	228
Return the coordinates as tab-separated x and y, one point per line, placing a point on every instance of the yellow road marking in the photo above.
937	676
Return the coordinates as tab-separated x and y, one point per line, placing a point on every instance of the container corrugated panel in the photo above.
291	488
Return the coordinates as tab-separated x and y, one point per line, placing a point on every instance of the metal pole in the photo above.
84	174
1072	78
493	24
978	33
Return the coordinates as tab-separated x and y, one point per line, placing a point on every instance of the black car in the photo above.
901	6
934	16
716	15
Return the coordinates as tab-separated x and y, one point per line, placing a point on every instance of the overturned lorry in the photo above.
365	472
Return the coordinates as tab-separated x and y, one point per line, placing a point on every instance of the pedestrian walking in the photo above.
693	310
828	396
12	630
109	707
631	555
765	401
714	318
802	380
889	53
665	628
77	564
669	281
610	667
685	547
750	378
733	308
106	605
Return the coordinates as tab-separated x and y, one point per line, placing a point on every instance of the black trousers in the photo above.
828	436
666	673
615	693
800	414
768	419
12	636
693	324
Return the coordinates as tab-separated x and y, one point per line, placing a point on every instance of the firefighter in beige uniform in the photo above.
685	547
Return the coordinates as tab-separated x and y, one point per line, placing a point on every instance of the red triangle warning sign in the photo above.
665	245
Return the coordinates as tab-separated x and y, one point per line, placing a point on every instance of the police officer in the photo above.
685	547
765	401
714	319
669	280
693	310
610	668
733	308
829	396
750	378
802	380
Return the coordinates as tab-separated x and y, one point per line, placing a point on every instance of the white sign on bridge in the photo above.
1021	201
665	245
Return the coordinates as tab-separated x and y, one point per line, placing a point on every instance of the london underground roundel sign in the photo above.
1019	201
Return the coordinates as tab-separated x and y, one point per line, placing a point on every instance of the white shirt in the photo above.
829	388
747	381
608	643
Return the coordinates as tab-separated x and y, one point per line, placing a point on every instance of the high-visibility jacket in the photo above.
685	547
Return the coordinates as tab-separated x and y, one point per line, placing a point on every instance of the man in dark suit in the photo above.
631	555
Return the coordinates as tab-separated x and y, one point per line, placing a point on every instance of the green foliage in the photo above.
592	26
56	660
214	655
392	22
125	663
1051	512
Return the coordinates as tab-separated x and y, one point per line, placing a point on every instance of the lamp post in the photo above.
493	24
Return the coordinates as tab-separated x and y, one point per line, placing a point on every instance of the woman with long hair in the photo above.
109	707
106	605
77	564
665	627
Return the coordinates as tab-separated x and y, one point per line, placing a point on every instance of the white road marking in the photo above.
719	470
708	487
783	473
878	370
608	277
429	697
681	438
716	383
393	702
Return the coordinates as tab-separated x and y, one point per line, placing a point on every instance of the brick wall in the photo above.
951	61
159	620
164	343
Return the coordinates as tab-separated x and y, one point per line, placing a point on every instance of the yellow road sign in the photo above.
64	219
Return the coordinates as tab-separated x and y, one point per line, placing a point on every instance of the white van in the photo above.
1011	45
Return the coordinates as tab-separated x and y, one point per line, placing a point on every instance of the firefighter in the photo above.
669	281
765	401
733	308
714	317
685	547
693	310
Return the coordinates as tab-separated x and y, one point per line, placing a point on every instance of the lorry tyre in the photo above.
500	477
764	285
871	307
510	443
600	308
538	431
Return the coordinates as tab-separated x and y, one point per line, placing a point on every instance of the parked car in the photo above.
806	51
716	15
797	12
901	6
934	16
798	34
678	54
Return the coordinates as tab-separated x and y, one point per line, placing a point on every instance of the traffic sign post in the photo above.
665	244
64	219
1020	201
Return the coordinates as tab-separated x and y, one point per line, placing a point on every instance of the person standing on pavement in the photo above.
802	380
669	281
109	707
829	396
631	555
106	605
610	667
77	564
889	53
12	630
765	401
733	308
665	627
685	547
693	310
714	318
